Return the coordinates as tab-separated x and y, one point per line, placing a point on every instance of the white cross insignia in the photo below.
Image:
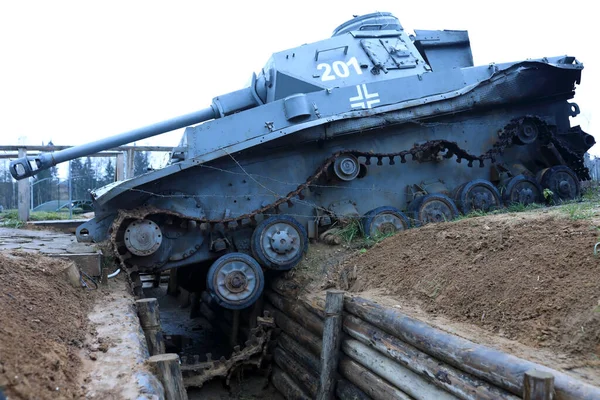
363	94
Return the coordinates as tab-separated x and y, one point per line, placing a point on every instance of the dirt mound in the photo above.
42	328
527	277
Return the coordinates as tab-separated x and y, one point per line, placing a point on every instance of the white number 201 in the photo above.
340	69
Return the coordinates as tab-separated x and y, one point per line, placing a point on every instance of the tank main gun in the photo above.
221	106
29	166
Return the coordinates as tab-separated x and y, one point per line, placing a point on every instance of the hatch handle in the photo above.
333	48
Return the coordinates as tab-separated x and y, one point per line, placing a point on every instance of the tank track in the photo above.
196	373
257	345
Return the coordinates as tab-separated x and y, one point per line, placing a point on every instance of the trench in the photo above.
196	338
383	354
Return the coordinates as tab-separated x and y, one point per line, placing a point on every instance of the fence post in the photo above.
24	190
120	166
166	367
330	353
130	164
150	321
70	192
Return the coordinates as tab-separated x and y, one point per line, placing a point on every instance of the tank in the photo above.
374	124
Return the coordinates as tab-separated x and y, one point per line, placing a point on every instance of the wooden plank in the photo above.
332	337
404	379
502	369
454	381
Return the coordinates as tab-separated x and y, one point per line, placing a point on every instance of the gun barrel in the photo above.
22	167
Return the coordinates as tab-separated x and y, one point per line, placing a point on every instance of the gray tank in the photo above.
371	123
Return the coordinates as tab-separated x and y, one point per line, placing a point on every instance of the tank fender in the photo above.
95	230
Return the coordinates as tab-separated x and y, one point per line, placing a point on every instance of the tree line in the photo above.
85	174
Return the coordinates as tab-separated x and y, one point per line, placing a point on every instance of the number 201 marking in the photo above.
340	69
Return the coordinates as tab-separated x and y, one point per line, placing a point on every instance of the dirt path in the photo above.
115	349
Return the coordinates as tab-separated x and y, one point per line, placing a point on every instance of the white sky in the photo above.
75	71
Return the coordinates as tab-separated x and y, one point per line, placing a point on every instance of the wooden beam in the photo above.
286	386
501	369
295	330
410	383
374	386
454	381
150	321
297	311
129	166
346	390
173	287
538	385
332	337
304	357
166	368
120	167
303	377
24	197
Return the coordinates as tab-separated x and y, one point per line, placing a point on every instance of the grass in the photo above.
517	207
10	218
584	208
351	231
577	211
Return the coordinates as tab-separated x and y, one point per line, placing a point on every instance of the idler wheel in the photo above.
522	190
528	132
235	281
478	195
384	221
562	181
279	242
143	237
346	167
434	207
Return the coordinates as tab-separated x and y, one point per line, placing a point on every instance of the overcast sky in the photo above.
75	71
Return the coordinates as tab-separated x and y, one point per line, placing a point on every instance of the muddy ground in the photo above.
42	328
525	282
